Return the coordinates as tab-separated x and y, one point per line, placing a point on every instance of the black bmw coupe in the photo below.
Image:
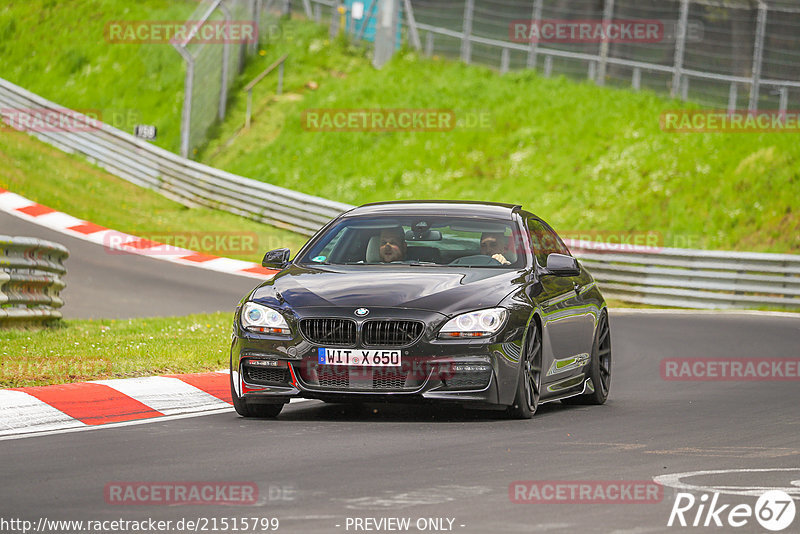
474	303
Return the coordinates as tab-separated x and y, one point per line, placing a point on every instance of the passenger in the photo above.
392	245
495	244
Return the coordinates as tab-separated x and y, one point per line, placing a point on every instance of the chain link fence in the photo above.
220	35
727	54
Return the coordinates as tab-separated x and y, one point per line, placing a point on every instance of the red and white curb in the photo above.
100	402
112	240
44	410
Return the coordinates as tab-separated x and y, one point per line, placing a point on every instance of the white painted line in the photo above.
85	428
169	396
25	413
675	480
118	425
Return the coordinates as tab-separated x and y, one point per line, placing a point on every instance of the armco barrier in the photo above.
667	277
694	278
30	280
178	178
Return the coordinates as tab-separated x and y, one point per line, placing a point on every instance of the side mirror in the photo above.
562	265
276	259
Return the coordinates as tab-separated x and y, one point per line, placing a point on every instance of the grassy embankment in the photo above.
94	350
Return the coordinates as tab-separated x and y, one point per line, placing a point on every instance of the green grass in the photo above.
92	350
58	49
585	158
68	183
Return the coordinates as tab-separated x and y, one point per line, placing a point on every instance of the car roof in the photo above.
473	208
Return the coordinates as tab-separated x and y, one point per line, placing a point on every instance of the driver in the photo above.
392	245
494	244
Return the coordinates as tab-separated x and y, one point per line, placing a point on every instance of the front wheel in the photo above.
599	366
529	382
253	410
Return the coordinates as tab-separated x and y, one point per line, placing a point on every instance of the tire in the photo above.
599	367
529	383
264	410
253	410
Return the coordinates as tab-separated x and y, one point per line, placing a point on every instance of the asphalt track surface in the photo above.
115	285
319	464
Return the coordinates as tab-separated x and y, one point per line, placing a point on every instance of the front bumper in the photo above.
477	372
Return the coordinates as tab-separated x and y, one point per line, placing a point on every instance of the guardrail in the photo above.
669	277
693	278
178	178
30	280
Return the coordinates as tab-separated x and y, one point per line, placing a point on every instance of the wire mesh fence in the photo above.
220	33
728	54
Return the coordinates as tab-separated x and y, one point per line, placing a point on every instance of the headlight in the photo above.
258	318
482	323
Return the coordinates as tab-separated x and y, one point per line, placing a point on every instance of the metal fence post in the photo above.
466	44
385	32
758	54
186	112
370	14
537	17
413	32
429	44
226	48
504	60
784	99
608	15
680	48
733	97
257	20
335	16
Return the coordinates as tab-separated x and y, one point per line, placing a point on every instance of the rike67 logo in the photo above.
774	511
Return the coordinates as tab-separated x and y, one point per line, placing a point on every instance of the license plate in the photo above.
359	357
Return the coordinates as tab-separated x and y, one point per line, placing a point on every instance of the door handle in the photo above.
577	287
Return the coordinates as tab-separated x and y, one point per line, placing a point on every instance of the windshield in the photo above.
416	240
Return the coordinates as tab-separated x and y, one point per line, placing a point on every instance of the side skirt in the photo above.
588	387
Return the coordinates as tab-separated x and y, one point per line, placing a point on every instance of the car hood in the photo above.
447	290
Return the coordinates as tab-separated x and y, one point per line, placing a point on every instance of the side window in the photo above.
559	246
544	241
